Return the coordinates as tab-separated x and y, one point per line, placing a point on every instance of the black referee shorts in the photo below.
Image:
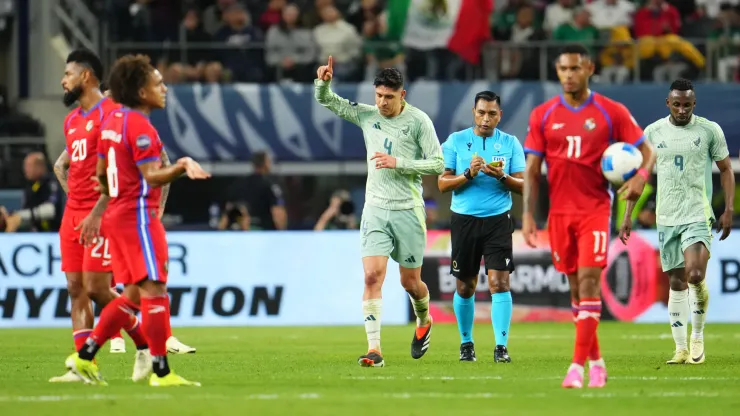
476	237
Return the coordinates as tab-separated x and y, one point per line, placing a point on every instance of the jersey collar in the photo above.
579	108
93	108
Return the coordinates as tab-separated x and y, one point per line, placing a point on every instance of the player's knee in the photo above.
466	287
75	288
374	277
695	275
677	283
498	282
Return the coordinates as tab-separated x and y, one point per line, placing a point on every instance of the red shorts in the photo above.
139	252
75	256
578	241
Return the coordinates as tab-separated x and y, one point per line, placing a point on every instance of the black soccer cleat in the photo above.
371	359
420	342
501	354
467	352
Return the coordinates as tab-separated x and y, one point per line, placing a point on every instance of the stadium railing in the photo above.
511	60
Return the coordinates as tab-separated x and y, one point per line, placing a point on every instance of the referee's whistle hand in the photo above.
476	164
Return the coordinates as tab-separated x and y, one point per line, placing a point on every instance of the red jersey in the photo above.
128	140
572	141
81	132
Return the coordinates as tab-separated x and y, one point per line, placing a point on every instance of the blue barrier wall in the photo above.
227	123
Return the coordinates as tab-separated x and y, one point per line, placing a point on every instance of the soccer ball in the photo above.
620	162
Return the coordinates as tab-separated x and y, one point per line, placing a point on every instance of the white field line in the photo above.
514	378
398	396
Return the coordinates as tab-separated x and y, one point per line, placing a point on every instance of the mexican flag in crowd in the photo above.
459	25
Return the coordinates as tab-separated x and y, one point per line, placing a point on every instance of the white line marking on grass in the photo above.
440	378
83	397
515	378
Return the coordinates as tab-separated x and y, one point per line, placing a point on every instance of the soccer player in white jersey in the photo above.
402	145
686	145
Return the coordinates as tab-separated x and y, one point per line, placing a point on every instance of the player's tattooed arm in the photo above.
166	188
102	178
61	170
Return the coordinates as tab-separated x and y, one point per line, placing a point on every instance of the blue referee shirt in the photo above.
484	196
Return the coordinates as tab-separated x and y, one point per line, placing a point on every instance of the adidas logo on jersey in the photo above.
661	145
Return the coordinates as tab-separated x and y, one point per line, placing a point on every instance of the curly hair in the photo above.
128	76
682	84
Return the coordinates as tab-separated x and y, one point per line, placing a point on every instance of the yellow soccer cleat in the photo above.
680	357
171	380
174	346
697	351
87	370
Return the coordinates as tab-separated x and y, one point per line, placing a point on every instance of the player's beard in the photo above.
72	96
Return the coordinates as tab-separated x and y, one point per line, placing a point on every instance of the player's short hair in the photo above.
575	49
129	74
487	96
103	87
259	159
389	77
87	59
682	84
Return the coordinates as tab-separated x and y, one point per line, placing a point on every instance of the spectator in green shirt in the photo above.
580	30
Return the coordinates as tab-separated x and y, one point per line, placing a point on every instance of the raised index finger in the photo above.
331	63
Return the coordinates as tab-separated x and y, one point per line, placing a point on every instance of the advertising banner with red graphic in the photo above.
634	287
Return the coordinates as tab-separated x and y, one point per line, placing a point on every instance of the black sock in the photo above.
160	366
88	351
142	347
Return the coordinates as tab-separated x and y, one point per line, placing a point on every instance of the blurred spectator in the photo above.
579	30
656	28
607	14
558	13
618	58
290	50
380	52
363	11
235	216
339	215
505	19
339	39
521	62
272	15
194	59
713	7
213	15
43	202
213	73
432	215
262	199
727	36
140	21
245	63
312	16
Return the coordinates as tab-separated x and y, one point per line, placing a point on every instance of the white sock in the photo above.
597	363
421	310
678	311
372	309
576	367
699	302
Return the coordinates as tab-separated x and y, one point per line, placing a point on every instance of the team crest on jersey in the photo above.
406	130
590	124
89	125
143	142
697	142
497	146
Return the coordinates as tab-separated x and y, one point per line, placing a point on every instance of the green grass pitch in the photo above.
313	371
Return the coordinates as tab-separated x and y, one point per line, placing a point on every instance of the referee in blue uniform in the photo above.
483	166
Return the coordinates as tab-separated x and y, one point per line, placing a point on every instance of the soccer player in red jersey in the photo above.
130	172
571	132
87	267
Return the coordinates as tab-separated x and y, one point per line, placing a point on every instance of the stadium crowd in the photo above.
280	39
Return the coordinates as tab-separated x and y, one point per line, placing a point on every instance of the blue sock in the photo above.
501	306
465	313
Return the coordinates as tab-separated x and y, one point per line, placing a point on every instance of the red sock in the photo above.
588	320
80	336
113	317
133	328
154	316
574	310
594	353
168	328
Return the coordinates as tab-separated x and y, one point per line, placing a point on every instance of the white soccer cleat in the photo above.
117	346
142	365
68	377
174	346
680	357
697	351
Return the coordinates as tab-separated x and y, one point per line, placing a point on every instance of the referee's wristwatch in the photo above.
503	178
467	174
